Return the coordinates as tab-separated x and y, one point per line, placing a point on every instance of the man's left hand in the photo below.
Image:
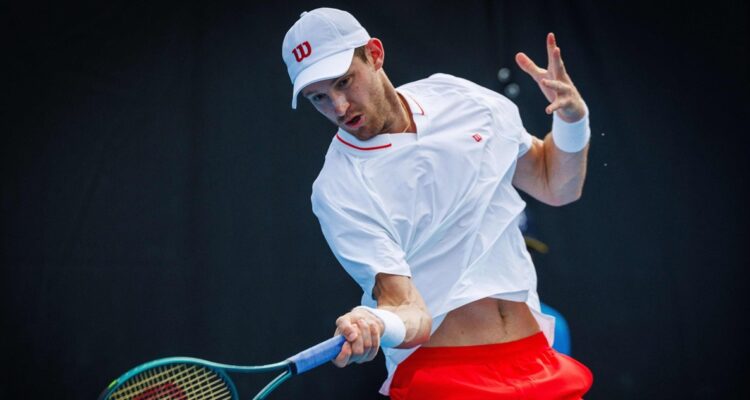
555	83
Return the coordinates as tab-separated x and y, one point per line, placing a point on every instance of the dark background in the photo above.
155	188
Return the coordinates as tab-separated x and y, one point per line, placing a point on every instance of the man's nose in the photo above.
340	104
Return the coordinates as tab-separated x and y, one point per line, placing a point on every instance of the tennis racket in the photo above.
185	378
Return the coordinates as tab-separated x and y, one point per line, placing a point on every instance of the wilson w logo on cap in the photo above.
302	51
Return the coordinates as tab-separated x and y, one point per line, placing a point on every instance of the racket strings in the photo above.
174	382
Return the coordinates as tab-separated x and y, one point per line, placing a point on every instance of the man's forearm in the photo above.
565	172
398	295
417	321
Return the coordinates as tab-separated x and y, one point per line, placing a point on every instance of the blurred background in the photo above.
155	187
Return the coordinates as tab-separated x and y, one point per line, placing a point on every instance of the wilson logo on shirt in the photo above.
477	137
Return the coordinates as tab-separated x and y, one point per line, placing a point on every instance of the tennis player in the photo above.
418	201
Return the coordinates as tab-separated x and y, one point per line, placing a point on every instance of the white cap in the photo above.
320	46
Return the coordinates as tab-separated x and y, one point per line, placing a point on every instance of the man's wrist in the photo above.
394	330
571	137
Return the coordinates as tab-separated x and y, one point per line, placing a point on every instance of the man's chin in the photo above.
360	134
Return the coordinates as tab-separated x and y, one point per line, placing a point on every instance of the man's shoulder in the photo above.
338	186
444	85
447	89
335	173
447	82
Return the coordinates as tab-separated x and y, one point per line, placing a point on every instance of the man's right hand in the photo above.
362	331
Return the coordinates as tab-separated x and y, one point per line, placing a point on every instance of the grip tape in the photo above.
317	355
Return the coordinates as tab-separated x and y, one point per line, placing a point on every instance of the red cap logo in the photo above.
302	51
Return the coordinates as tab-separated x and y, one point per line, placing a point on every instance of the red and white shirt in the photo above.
438	205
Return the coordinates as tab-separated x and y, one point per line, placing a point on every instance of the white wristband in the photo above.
571	137
395	330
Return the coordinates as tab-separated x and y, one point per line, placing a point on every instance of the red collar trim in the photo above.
361	148
418	105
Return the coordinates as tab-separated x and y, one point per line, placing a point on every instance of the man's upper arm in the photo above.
530	175
358	234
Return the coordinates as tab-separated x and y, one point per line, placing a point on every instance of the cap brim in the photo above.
330	67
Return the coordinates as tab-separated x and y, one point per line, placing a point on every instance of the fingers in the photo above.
345	327
371	341
366	347
358	345
342	360
528	66
557	65
554	57
363	339
557	86
564	94
554	81
560	102
375	334
551	45
553	107
362	348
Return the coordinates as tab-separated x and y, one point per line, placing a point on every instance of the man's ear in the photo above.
375	52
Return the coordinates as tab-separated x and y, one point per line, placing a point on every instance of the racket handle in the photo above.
317	355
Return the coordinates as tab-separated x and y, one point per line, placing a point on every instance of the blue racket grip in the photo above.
317	355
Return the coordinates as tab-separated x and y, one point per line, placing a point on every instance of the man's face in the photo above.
354	101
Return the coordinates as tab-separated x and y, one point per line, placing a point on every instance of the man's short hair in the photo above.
361	53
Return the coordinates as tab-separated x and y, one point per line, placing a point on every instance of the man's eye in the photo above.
317	97
344	82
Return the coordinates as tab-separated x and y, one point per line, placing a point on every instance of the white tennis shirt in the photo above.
438	205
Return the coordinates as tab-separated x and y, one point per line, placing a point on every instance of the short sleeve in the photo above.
505	114
507	121
358	235
525	145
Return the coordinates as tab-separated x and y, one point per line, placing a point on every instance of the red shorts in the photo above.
523	369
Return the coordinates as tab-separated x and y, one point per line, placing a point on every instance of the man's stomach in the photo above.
485	321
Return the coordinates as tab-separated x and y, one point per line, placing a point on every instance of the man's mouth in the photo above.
355	122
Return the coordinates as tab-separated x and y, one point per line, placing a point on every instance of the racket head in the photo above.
174	378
